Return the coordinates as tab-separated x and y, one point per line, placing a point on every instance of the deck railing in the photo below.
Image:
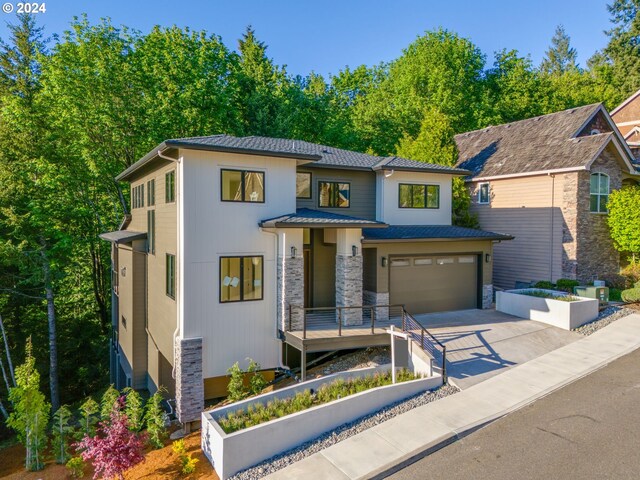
369	317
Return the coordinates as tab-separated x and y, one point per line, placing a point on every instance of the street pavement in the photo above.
589	429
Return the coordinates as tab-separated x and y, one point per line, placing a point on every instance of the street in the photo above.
587	430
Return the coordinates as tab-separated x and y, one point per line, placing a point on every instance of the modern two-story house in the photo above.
230	239
547	180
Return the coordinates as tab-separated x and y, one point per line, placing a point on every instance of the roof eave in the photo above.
322	225
455	172
432	239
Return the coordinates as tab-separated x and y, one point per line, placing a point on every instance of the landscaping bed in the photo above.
606	317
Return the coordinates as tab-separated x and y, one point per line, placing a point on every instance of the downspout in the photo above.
553	193
276	244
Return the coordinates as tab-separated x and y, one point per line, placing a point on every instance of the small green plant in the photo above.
567	284
109	398
155	419
62	431
631	296
550	296
187	462
88	418
75	466
257	381
544	284
236	388
134	409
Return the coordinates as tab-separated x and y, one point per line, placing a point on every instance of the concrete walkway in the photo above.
407	437
484	343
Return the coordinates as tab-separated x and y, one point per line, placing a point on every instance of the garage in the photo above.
439	283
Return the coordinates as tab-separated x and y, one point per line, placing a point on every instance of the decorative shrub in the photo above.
62	431
89	418
258	413
545	284
632	273
187	462
632	295
109	398
238	388
76	467
257	381
134	409
155	419
567	284
615	294
620	282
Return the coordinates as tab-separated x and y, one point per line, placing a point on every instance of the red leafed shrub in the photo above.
115	448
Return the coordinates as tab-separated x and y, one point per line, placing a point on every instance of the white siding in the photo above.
211	228
387	199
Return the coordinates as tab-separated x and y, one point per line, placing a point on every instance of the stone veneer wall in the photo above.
349	287
377	298
487	296
290	292
189	381
570	225
596	256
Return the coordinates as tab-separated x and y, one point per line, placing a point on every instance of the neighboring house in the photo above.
230	238
546	180
627	118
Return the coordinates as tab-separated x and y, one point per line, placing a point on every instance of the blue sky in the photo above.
324	36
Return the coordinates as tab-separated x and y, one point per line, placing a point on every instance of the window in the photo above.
418	196
483	193
242	186
137	196
151	192
599	190
170	187
303	185
151	232
171	275
423	261
334	194
241	279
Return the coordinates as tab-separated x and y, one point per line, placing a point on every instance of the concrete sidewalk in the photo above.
407	437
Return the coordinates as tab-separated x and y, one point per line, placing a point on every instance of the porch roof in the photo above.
308	218
122	236
398	233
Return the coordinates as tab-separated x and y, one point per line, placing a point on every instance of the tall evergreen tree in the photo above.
561	57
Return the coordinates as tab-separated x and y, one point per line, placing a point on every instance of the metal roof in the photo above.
122	236
308	218
429	232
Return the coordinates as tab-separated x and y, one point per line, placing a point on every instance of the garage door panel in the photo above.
434	284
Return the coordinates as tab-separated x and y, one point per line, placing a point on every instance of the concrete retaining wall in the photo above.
566	315
230	453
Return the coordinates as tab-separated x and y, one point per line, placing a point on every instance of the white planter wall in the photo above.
566	315
231	453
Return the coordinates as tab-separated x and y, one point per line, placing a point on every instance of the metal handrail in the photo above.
433	340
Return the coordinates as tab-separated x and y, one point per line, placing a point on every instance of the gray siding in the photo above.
362	202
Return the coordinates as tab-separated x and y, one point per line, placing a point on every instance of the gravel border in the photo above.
343	432
606	316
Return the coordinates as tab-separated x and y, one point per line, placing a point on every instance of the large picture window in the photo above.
303	185
241	279
418	196
171	275
599	192
242	186
334	194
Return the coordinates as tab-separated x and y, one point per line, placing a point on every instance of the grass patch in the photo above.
258	413
550	296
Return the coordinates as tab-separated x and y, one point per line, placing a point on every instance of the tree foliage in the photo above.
62	431
155	420
561	57
624	218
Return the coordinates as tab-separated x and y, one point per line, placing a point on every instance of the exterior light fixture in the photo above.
384	261
487	257
294	252
354	250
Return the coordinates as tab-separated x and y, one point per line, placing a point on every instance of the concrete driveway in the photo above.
484	343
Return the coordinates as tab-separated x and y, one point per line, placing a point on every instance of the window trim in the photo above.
336	182
151	231
310	185
151	192
241	257
425	185
480	185
598	194
171	173
242	184
171	294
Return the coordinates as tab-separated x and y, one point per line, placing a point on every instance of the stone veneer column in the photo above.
189	381
290	292
487	296
377	298
349	287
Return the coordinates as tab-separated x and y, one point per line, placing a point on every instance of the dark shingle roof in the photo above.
122	236
321	155
306	217
429	232
532	145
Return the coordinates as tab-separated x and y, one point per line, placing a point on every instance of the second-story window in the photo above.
170	277
242	186
151	192
151	231
483	193
599	192
418	196
303	185
137	196
334	194
170	186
